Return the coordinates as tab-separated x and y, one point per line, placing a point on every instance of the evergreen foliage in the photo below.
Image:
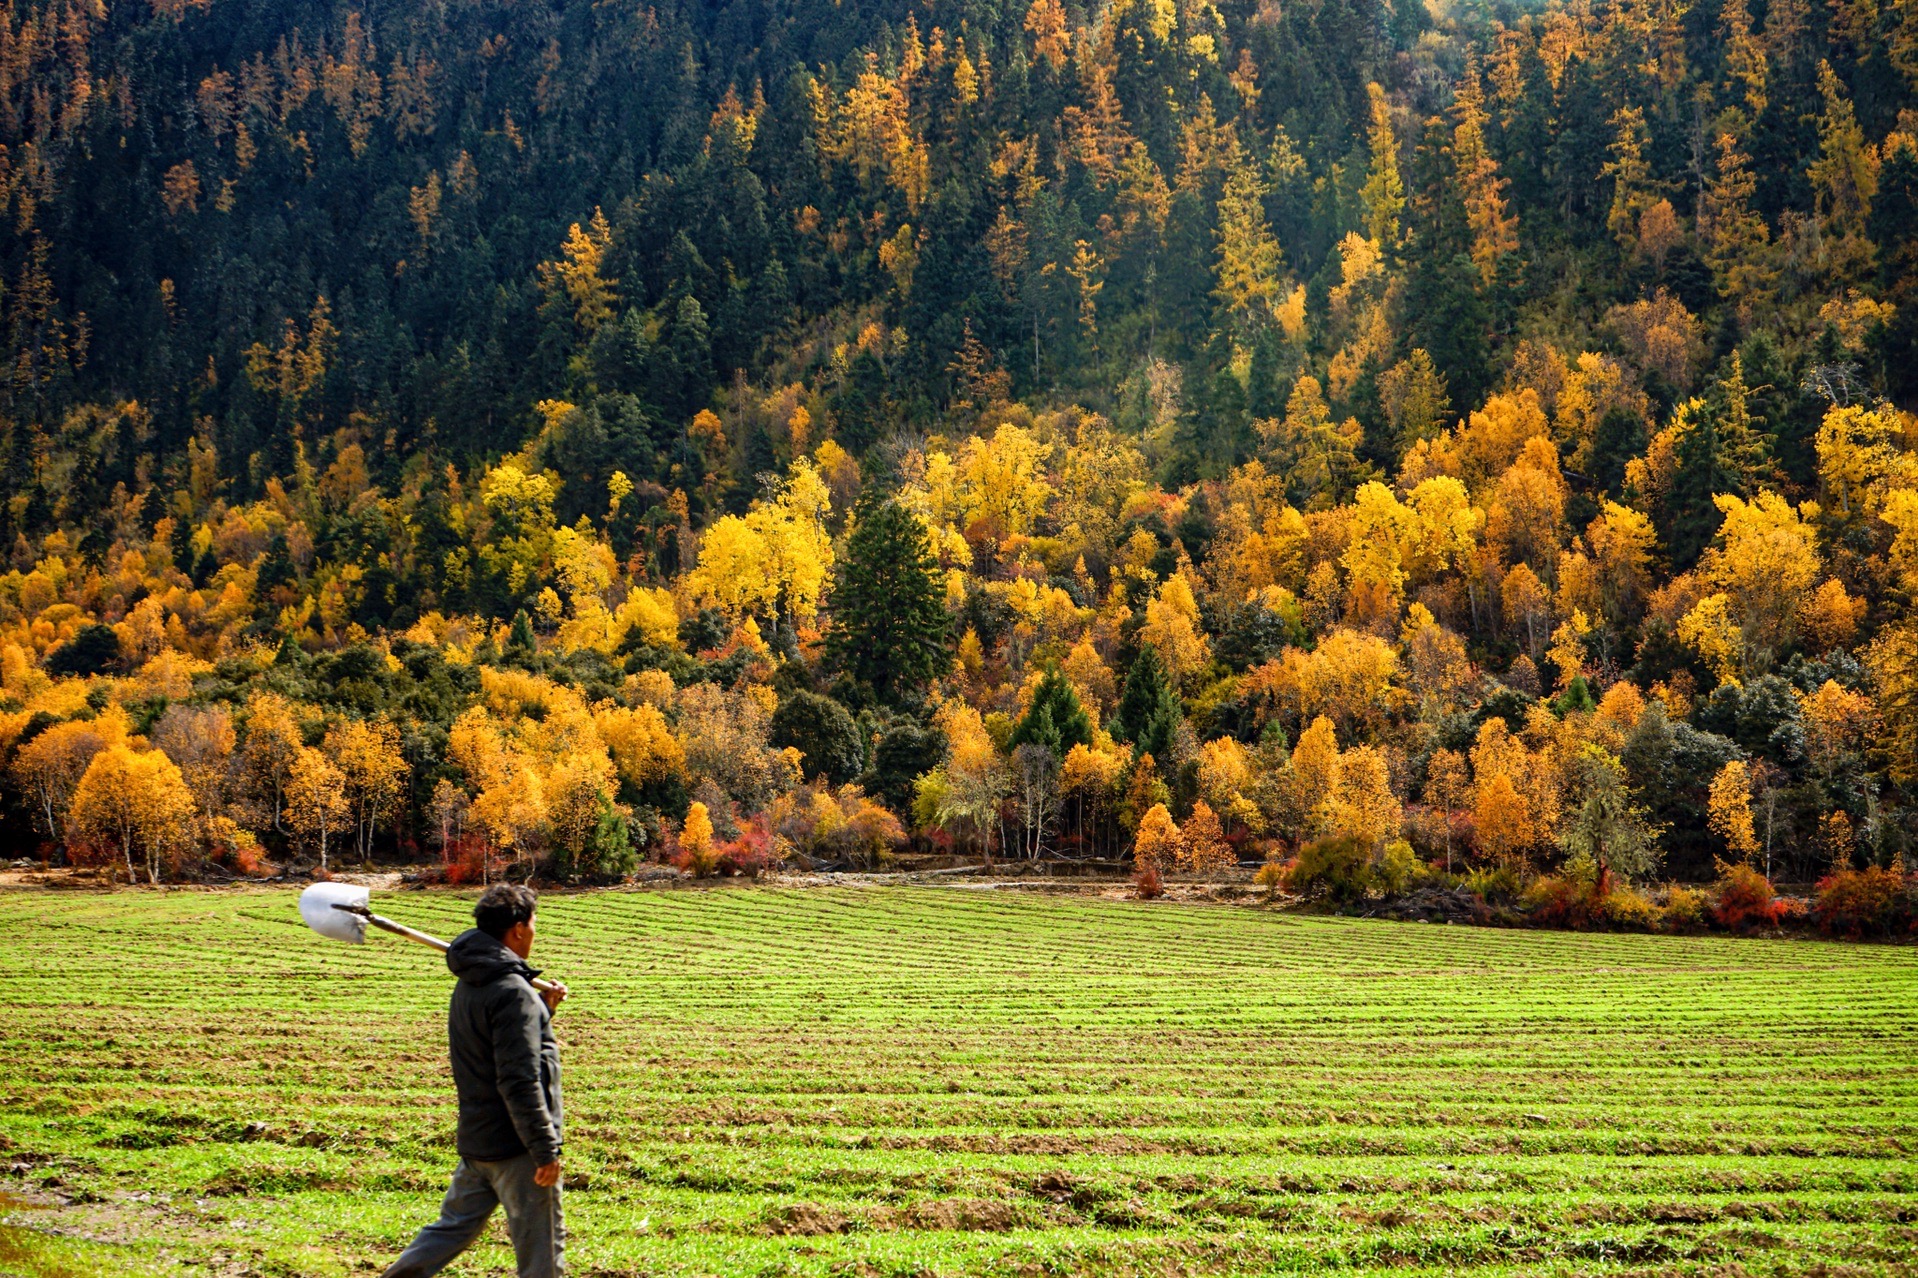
890	629
1149	711
823	731
1054	719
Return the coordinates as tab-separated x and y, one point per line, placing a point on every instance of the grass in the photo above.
947	1081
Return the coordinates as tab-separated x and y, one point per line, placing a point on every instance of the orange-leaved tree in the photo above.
49	767
1202	845
1157	845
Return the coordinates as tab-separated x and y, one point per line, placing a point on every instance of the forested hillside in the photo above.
1472	434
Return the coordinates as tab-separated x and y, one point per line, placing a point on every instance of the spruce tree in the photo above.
1720	453
889	627
1149	710
520	644
1055	719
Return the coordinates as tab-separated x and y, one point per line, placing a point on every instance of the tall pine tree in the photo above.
1055	719
1149	710
1720	453
889	628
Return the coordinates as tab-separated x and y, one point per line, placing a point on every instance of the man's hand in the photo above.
554	997
548	1176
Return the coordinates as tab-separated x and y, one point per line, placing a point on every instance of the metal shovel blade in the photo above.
316	907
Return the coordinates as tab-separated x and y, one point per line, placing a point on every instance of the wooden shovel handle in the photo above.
412	934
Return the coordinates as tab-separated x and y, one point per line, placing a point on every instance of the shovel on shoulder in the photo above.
343	911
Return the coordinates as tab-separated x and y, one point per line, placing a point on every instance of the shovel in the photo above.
340	912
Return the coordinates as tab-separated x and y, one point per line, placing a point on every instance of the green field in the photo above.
947	1081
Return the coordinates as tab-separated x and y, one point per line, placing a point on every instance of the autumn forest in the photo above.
1404	446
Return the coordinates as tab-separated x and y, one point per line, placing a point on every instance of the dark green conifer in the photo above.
1149	710
1055	719
889	626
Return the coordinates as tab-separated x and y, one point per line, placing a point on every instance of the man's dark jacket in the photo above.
505	1061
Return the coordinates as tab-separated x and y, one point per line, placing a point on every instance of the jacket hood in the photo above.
480	959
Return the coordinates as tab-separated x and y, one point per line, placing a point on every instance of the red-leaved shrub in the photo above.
471	860
1148	885
752	853
245	856
1745	901
1857	903
1560	902
89	854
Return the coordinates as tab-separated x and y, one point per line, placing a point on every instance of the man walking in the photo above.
506	1070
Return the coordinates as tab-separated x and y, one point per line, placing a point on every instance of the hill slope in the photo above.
1411	367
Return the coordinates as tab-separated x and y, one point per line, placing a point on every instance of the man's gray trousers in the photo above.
532	1219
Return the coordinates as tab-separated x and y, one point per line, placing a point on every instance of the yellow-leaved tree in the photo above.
200	740
268	751
999	483
135	801
1384	190
1515	803
1767	564
963	794
1383	532
49	767
641	743
1860	461
696	851
1448	787
1314	779
1622	541
578	786
1365	807
1494	231
775	560
1317	456
1447	526
1730	809
1172	628
1225	773
576	277
372	774
1249	254
585	567
316	800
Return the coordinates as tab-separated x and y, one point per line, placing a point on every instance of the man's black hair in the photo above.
502	906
